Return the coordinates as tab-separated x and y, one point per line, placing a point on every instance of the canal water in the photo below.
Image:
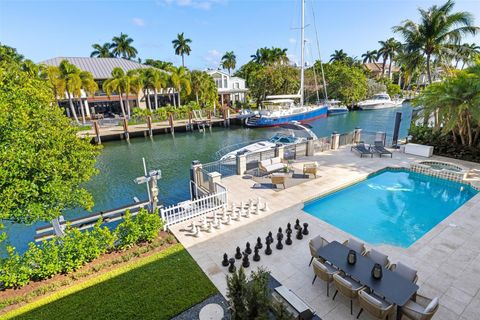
121	162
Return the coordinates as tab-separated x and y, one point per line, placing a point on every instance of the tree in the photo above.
203	88
270	56
89	86
155	80
273	79
119	83
137	83
182	47
102	51
387	51
229	61
180	79
159	64
70	75
370	56
338	55
44	163
122	47
438	30
51	74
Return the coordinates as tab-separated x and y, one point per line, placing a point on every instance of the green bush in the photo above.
14	273
149	225
43	260
127	232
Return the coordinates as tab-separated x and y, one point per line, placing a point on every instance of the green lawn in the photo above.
156	287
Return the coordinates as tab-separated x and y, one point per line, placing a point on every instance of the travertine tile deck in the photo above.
447	258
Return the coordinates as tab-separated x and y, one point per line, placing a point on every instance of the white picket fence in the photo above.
193	208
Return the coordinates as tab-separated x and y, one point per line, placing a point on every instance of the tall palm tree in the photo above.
370	56
468	52
137	83
438	28
229	61
155	80
388	50
70	75
338	55
267	56
180	79
122	47
52	75
89	86
182	47
119	83
102	51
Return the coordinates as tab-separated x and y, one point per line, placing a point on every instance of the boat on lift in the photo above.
336	107
379	101
296	133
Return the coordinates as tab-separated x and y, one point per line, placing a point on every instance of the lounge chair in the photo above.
325	272
315	244
422	308
310	168
405	271
378	257
358	246
379	148
271	165
375	305
347	287
362	149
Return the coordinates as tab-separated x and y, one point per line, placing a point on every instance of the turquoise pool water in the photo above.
395	207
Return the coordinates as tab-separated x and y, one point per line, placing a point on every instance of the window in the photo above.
225	82
237	85
218	82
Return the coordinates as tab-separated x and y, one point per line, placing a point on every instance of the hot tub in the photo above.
441	169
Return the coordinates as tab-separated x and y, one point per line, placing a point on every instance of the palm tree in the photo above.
180	79
229	61
370	56
181	46
122	47
53	77
268	56
89	86
438	29
136	83
468	52
338	55
102	51
119	83
388	50
155	80
70	75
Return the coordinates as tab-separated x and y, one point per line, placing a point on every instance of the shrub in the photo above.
43	260
72	251
149	225
105	239
13	271
127	232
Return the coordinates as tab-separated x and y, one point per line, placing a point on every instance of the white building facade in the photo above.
231	90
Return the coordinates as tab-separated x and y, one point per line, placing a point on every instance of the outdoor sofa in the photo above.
271	165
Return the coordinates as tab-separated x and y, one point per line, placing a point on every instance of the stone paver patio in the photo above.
447	258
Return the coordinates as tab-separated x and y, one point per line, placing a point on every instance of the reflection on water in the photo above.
121	162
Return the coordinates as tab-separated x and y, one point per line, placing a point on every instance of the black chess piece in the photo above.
267	240
245	262
289	227
297	224
289	238
280	230
279	242
248	250
280	234
305	230
256	256
270	236
299	234
238	254
268	250
225	260
259	244
232	267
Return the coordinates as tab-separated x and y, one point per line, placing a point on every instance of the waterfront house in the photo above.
376	69
231	90
101	69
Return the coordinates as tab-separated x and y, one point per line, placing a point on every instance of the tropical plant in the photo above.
70	75
149	224
370	57
374	87
467	53
387	51
229	61
180	80
102	51
44	163
203	88
273	79
52	76
137	83
14	273
127	232
89	86
338	55
270	56
119	83
159	64
122	47
438	30
182	47
236	293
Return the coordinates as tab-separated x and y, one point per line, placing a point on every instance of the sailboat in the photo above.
281	109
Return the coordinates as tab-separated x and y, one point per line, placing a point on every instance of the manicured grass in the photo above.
155	287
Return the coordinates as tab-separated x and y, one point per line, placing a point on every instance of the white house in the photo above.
230	89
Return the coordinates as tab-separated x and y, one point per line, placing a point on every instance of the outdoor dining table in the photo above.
393	287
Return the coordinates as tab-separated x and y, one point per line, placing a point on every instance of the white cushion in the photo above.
265	163
432	305
275	160
355	245
378	257
405	271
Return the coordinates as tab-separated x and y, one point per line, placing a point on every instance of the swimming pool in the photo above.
392	206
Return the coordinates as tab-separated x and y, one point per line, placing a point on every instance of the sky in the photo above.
45	29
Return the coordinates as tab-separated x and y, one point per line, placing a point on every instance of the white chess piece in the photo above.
233	207
257	209
242	205
250	203
229	220
265	208
192	227
197	232
209	229
247	213
205	222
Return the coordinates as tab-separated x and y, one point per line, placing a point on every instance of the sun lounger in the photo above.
362	149
379	148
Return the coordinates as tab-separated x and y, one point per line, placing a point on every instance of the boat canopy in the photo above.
278	101
283	96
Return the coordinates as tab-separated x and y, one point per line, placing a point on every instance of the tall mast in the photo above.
302	55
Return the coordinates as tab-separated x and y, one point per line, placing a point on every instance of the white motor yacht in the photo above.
379	101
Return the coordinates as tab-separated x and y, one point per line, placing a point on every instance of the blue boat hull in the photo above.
335	112
300	117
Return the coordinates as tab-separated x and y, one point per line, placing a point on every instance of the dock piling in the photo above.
149	124
96	128
170	121
125	129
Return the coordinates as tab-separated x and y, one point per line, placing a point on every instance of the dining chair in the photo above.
348	287
315	244
378	257
324	271
356	245
422	308
375	305
405	271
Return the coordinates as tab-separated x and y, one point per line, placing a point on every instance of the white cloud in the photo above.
139	22
197	4
212	58
292	40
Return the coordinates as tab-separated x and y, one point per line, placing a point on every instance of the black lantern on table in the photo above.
352	257
377	271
